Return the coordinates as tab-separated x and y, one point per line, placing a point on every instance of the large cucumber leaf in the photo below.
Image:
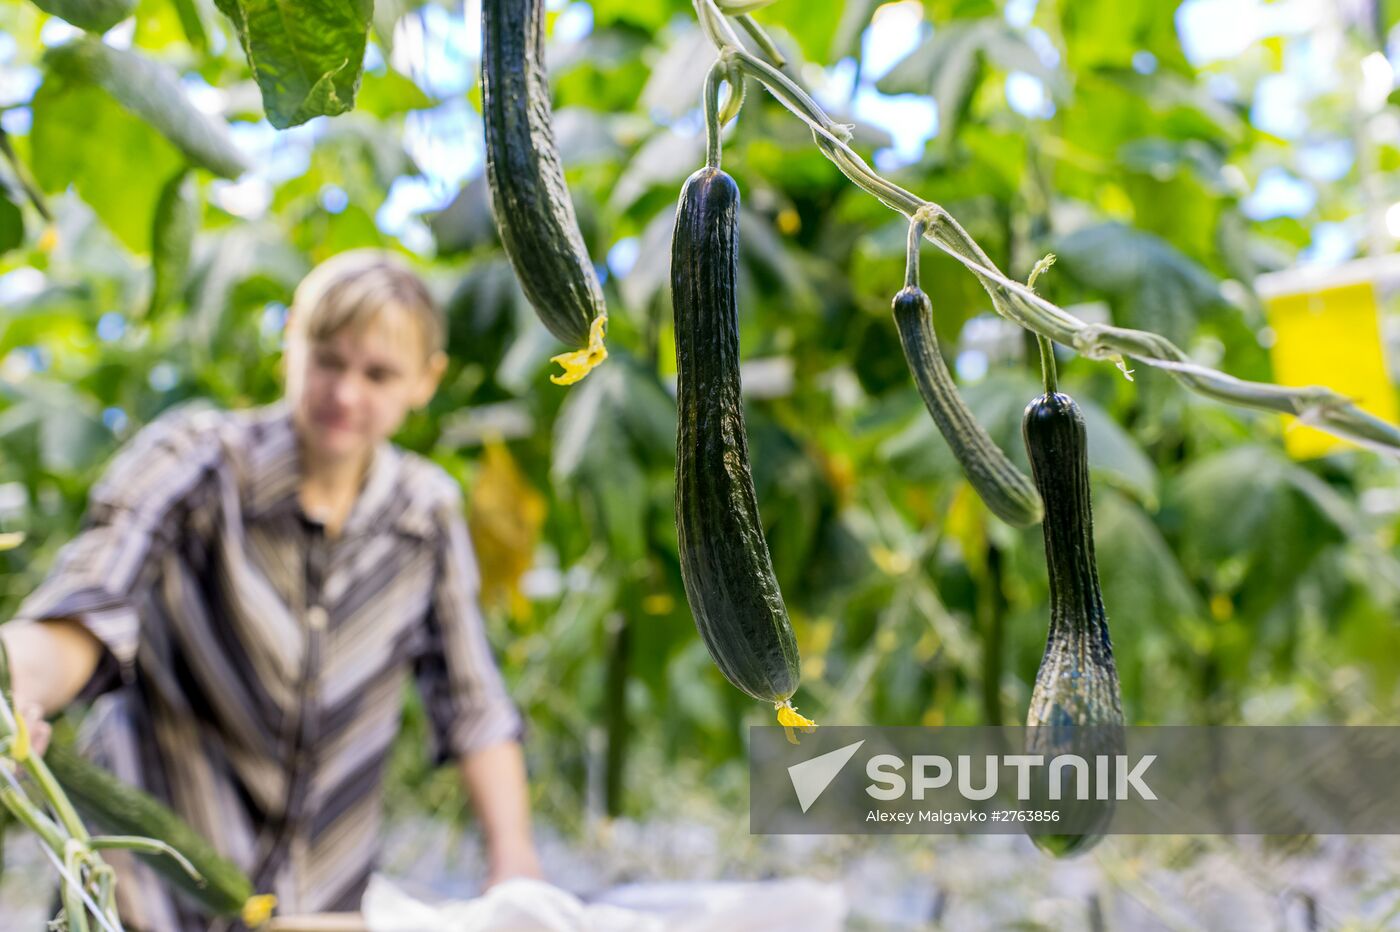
307	57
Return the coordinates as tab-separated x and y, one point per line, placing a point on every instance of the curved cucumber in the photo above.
1006	490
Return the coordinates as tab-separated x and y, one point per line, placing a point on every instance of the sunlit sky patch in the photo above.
439	48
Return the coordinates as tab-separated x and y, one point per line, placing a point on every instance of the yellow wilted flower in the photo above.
791	719
579	363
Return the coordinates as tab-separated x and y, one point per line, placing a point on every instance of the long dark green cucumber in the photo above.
1076	705
1007	491
529	198
120	809
728	574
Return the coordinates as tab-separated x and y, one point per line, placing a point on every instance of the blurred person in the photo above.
248	595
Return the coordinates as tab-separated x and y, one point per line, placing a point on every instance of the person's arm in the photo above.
50	662
473	720
494	778
77	633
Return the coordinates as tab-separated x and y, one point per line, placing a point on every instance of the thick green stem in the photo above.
1315	405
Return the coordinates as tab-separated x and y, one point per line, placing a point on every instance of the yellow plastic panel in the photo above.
1330	337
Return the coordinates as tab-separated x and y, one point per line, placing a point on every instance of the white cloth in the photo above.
521	905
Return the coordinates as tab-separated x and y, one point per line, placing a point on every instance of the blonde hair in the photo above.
348	289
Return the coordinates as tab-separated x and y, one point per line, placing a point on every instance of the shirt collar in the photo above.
274	472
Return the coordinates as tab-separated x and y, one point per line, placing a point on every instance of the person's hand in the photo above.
39	730
515	861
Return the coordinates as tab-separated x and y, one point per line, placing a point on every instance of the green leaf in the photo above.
946	66
1142	581
1152	283
92	15
306	58
391	93
172	237
854	18
151	91
70	434
11	223
595	454
1252	520
1100	33
465	223
1115	456
812	23
192	22
68	119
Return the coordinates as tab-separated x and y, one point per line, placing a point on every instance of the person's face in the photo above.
353	389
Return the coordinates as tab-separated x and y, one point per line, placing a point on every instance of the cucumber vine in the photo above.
1317	406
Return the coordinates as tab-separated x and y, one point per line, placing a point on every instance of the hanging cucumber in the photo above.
1006	490
725	564
1076	705
529	198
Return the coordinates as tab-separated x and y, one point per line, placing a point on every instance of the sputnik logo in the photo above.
811	777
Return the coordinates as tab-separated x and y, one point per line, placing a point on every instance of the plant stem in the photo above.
765	42
1047	365
712	123
1315	405
742	7
26	181
911	254
149	846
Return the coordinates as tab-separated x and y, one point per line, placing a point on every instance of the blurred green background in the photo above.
1167	155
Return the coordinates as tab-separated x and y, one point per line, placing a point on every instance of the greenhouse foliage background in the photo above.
1167	155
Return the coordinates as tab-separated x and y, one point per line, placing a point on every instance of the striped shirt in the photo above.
254	667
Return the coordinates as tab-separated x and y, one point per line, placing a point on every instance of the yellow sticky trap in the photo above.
258	910
1332	337
791	719
579	363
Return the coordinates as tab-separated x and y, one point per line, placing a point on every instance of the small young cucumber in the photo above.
1006	490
